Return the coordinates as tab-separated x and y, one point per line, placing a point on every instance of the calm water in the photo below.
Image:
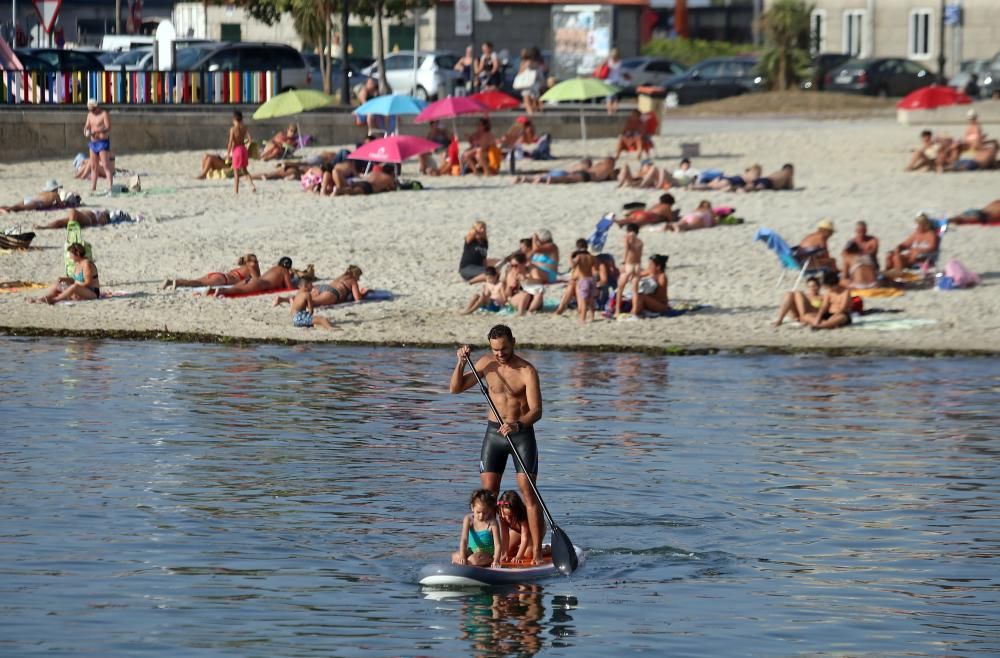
192	500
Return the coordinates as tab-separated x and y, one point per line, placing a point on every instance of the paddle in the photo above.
563	553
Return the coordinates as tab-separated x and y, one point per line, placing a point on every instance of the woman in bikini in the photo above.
917	248
83	285
802	306
278	278
345	288
655	300
246	268
544	258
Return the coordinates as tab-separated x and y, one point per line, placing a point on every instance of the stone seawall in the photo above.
41	133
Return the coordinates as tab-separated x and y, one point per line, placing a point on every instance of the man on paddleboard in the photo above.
513	386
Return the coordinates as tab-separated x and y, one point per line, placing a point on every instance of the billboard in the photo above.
581	38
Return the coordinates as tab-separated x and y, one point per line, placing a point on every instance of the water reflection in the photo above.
510	621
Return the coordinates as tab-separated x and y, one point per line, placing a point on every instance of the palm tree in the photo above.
786	38
313	21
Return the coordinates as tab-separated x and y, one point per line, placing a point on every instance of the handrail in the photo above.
121	87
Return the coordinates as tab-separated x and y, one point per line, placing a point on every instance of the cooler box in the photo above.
651	99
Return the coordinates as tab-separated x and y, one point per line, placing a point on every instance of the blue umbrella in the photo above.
391	105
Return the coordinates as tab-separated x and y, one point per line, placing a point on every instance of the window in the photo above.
817	31
854	25
710	70
920	33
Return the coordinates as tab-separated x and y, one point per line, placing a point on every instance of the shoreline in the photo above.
611	348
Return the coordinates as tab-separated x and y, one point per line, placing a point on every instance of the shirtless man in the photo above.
602	170
47	198
783	179
925	156
97	129
379	180
988	214
631	264
868	243
580	165
84	218
513	385
814	247
278	277
835	309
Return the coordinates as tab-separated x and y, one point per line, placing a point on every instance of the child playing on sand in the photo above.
514	529
493	296
632	263
301	308
480	543
236	150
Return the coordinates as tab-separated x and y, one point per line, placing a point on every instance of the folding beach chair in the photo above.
600	234
790	259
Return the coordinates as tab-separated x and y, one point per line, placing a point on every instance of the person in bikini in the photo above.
88	218
82	286
655	300
988	214
662	212
631	263
345	288
544	266
278	277
783	179
731	183
515	390
602	170
927	154
47	199
246	268
702	217
860	270
282	142
802	306
917	248
633	136
380	179
97	129
814	247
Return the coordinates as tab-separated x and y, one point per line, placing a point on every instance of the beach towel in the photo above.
599	237
105	294
887	323
221	292
7	287
877	293
709	175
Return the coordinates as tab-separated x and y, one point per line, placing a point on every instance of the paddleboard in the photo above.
462	575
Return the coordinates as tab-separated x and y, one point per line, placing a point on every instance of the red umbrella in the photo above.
449	108
394	148
928	98
496	100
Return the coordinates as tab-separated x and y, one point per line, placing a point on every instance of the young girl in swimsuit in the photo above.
246	268
514	527
236	150
480	542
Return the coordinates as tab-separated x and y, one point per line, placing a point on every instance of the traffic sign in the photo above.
48	11
953	14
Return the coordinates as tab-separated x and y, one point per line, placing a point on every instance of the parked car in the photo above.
435	74
712	79
56	59
139	59
249	56
819	66
989	86
640	71
879	76
977	67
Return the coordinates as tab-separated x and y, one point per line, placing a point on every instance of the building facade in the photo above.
908	28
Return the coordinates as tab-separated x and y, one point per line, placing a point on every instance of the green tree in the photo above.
785	59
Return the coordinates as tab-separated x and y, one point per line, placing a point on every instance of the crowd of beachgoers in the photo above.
615	268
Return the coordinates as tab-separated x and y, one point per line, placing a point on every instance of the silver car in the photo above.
433	76
977	67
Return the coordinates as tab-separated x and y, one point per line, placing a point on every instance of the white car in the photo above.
435	73
139	59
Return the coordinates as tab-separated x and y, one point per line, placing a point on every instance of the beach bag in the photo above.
959	275
526	79
602	71
74	235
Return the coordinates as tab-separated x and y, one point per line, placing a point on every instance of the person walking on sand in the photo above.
516	392
236	149
632	263
97	129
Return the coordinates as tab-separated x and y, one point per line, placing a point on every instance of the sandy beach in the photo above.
409	242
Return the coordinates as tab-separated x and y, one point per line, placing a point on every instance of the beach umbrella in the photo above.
495	100
394	148
393	105
931	97
291	102
579	89
449	108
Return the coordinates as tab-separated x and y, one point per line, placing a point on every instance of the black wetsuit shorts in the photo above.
493	458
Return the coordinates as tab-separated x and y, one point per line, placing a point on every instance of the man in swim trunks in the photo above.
513	385
603	170
381	179
988	214
98	130
88	218
783	179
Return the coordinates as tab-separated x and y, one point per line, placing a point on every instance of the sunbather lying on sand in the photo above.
47	199
246	269
278	277
662	212
380	179
783	179
580	165
88	218
731	183
602	170
702	217
988	214
285	171
345	288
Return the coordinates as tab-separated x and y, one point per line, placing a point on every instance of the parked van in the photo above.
119	42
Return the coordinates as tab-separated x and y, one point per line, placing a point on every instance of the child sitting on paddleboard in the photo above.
480	543
515	530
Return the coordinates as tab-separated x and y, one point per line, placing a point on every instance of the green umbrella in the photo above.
292	102
579	89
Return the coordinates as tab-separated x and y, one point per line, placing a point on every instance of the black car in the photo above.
820	66
641	71
250	56
57	59
880	76
712	79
